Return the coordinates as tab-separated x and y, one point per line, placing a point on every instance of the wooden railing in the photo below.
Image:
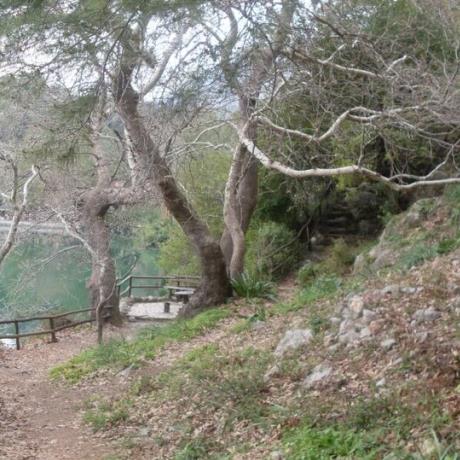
127	286
53	325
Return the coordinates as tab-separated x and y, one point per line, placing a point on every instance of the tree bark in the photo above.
215	285
240	197
102	284
240	202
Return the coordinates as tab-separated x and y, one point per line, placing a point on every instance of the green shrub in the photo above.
447	245
341	256
307	273
105	416
176	255
273	250
418	254
322	287
452	195
249	285
195	449
307	443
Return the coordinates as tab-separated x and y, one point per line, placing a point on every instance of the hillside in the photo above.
363	365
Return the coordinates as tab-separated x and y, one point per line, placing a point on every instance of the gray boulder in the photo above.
317	376
387	344
427	314
293	340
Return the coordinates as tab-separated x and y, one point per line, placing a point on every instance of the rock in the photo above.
356	306
376	326
329	339
293	340
427	314
413	218
346	325
334	347
365	333
422	336
392	289
360	264
277	455
429	447
409	290
368	316
126	372
335	320
257	325
384	258
453	288
388	344
454	304
317	376
339	309
144	432
350	338
272	372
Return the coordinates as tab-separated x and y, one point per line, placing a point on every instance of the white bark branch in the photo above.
161	66
350	113
340	171
18	211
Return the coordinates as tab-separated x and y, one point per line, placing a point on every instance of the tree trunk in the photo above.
103	281
240	197
215	285
240	202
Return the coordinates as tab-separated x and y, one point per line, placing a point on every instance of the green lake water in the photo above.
44	274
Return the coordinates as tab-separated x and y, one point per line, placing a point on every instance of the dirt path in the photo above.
41	419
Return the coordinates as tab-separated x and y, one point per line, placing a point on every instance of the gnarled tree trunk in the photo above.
103	281
240	202
215	285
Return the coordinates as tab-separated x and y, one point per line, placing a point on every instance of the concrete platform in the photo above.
153	311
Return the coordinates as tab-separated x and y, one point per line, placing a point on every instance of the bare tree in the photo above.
214	287
16	198
248	60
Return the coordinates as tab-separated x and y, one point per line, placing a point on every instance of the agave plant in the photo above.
248	285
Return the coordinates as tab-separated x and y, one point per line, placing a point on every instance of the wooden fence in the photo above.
128	285
125	287
53	322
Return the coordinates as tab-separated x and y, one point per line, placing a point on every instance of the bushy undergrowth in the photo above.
249	285
273	250
339	259
121	353
308	443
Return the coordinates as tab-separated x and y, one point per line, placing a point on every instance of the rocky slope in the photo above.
362	366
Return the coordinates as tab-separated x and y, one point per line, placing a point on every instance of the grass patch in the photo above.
452	195
417	254
308	443
214	381
448	245
321	288
119	354
103	415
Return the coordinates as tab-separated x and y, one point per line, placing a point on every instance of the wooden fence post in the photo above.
16	329
130	285
53	333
